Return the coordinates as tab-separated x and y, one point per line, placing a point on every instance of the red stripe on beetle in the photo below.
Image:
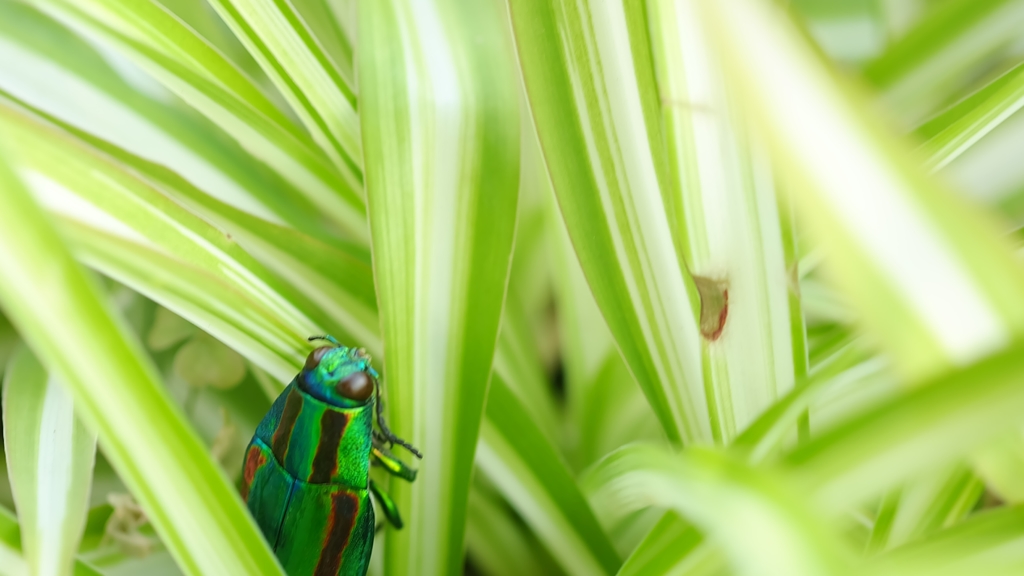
344	508
325	462
283	434
254	460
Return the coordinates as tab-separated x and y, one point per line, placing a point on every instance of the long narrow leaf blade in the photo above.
722	204
933	280
441	141
60	313
50	457
991	542
47	65
762	527
896	441
337	277
279	39
182	62
591	89
516	456
923	70
85	187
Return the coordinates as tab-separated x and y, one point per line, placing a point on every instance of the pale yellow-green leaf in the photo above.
118	393
439	118
204	361
50	457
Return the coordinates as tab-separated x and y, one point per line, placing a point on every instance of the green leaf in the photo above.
124	224
497	543
614	413
980	117
188	66
762	526
936	285
848	365
935	59
279	39
48	66
11	562
586	347
924	505
438	106
916	433
336	276
726	226
527	469
673	546
204	361
1001	463
524	337
200	16
325	20
591	88
50	457
118	393
987	543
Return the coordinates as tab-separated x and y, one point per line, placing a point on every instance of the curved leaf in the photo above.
187	497
991	542
516	457
591	88
935	424
85	187
187	66
438	105
762	527
1005	99
50	457
278	38
924	68
934	281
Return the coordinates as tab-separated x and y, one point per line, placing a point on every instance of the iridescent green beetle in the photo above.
306	474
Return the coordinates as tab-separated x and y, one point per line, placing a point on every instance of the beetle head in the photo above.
339	375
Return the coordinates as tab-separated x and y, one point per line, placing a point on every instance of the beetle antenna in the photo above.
386	434
326	337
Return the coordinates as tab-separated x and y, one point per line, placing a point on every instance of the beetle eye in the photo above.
356	386
313	360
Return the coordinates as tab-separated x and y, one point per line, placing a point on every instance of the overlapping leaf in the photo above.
50	457
117	392
532	476
726	499
184	63
441	145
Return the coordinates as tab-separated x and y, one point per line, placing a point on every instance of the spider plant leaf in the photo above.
277	36
726	499
928	272
931	63
916	433
597	122
119	395
162	47
515	456
439	112
50	457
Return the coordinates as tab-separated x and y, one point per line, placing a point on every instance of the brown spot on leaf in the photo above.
714	306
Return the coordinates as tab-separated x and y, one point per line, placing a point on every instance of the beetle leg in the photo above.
387	505
387	460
